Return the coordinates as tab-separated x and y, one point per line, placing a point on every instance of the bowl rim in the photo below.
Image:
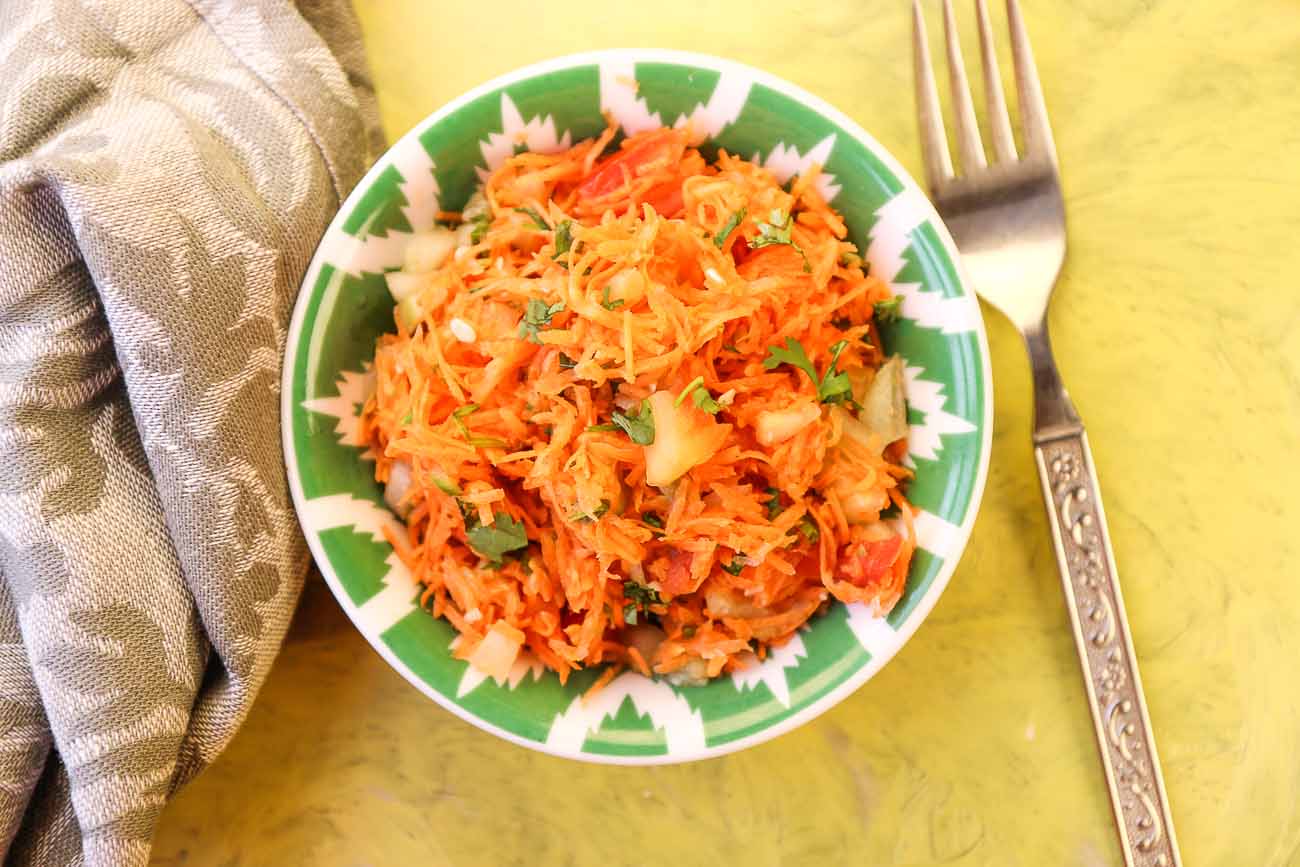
668	56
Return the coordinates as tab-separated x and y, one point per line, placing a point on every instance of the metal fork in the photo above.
1008	220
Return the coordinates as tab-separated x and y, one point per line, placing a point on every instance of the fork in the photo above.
1008	219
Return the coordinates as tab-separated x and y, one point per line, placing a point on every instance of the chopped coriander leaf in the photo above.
447	486
536	317
567	363
690	387
835	386
737	564
705	401
640	594
406	419
809	530
640	428
629	613
593	515
608	304
773	504
653	520
850	260
462	411
596	428
536	218
480	224
731	347
504	535
793	354
777	231
831	388
889	310
729	227
563	238
467	513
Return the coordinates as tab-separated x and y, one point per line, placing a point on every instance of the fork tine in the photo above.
1033	110
934	145
1004	145
968	131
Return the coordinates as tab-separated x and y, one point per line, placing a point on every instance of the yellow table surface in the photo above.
1177	326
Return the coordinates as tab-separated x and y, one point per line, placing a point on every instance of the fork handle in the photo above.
1110	671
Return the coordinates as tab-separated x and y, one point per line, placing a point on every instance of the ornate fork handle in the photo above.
1092	594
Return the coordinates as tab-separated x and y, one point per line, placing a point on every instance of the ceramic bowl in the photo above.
344	306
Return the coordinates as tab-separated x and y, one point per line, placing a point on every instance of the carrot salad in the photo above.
637	413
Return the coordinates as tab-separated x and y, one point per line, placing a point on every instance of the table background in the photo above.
1177	325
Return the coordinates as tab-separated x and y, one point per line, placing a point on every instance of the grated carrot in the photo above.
657	270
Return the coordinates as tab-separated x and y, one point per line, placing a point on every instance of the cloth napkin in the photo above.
166	169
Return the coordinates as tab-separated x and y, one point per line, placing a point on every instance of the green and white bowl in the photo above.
344	305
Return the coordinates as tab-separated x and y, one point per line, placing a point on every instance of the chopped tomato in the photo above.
740	251
677	579
866	564
656	150
666	199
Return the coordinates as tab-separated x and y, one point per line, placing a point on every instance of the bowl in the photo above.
344	305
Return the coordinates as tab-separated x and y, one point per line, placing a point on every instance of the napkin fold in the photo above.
166	170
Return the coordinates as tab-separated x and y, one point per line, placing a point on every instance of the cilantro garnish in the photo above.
596	428
777	231
593	515
536	317
536	218
831	388
480	224
729	227
486	442
563	238
809	530
608	304
773	504
653	520
638	596
700	395
737	563
447	486
706	401
640	428
690	387
494	542
458	416
889	310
